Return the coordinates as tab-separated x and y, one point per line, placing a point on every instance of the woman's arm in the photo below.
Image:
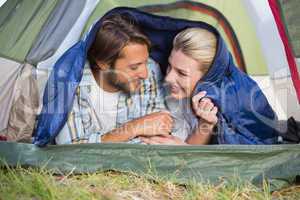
201	135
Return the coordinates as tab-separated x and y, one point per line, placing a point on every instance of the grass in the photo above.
40	184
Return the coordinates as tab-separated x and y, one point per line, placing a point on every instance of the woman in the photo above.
221	104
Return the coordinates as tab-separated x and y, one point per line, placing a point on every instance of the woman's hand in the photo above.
205	110
165	139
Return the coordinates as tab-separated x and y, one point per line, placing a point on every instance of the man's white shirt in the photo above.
105	105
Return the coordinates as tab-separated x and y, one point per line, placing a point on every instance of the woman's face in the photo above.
183	73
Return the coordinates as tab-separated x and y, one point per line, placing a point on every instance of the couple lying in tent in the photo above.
141	78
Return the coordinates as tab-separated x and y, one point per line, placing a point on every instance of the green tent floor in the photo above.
278	164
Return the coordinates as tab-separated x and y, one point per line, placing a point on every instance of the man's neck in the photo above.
103	82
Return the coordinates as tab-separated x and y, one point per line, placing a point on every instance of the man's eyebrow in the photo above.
134	64
138	63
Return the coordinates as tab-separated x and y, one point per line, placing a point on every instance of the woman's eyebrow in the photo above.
178	69
181	69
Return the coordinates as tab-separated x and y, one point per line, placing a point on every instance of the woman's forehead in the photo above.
181	61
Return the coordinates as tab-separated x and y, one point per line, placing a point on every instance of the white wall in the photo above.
281	95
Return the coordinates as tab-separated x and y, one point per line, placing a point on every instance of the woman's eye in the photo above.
181	73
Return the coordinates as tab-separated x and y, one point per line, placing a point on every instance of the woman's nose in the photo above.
169	77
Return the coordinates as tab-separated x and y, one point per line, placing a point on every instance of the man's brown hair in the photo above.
115	33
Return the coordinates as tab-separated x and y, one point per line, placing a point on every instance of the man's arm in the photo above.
121	134
159	123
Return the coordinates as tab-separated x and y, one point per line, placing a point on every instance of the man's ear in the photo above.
102	65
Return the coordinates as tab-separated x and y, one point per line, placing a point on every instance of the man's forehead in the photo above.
134	51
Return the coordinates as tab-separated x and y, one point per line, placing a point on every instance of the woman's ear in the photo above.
102	65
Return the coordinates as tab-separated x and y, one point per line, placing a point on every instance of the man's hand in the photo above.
164	139
159	123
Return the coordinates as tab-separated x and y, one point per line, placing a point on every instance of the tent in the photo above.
261	35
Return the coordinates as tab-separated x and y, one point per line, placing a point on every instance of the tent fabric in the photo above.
217	20
269	38
73	35
290	57
184	164
289	12
24	109
55	30
21	21
6	12
9	73
233	23
44	67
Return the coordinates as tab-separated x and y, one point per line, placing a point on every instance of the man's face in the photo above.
130	68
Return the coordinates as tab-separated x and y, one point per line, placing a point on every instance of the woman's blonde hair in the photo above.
198	44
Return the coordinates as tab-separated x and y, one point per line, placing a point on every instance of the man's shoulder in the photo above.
87	77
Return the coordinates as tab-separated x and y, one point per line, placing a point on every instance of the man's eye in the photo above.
134	67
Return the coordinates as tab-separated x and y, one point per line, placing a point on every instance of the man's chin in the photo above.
129	89
134	87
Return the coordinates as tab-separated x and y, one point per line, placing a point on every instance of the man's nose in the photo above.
143	73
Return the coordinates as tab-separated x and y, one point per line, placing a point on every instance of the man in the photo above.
119	97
